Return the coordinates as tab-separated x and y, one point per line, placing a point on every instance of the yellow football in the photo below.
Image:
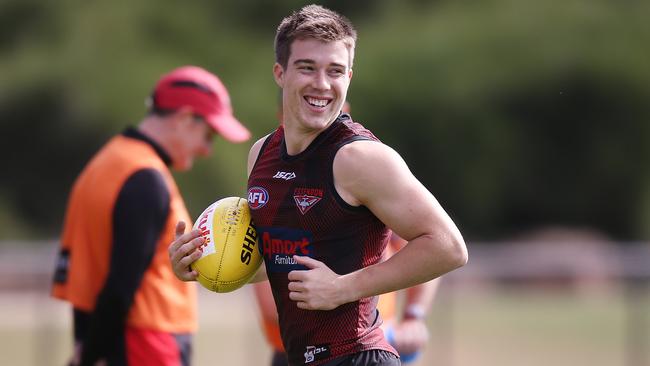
230	255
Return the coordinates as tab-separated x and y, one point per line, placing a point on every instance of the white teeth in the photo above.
317	102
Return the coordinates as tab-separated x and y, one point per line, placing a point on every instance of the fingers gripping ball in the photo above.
230	255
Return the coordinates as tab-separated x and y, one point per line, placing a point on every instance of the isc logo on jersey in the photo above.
257	197
284	175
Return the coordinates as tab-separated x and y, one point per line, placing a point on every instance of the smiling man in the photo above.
346	190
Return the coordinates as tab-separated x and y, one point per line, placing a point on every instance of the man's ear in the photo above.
183	115
278	74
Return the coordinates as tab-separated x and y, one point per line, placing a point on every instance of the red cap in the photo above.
201	90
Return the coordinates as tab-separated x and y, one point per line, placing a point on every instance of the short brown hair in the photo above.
316	22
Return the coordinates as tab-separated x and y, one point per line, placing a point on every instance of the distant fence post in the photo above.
444	329
636	309
636	279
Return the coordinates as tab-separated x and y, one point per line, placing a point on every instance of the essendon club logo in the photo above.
306	198
257	197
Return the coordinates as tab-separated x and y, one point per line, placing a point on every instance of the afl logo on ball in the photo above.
257	197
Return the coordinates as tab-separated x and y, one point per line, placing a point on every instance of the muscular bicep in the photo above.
372	174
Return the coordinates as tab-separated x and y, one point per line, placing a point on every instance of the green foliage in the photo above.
515	114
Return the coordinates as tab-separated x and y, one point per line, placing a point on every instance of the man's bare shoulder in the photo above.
366	155
255	151
258	144
363	169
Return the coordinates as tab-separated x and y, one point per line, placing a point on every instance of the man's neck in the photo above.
298	141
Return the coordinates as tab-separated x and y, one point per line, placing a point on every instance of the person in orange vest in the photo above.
406	331
112	267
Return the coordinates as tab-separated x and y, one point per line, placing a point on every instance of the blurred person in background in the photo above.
406	331
113	267
325	194
404	325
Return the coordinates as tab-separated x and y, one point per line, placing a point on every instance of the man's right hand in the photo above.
184	250
410	336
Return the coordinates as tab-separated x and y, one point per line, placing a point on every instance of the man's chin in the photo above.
182	166
323	120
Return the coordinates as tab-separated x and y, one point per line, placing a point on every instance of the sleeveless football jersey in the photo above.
297	210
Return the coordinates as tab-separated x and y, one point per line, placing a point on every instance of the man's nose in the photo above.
321	81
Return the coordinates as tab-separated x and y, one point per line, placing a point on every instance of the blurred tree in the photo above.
514	113
44	147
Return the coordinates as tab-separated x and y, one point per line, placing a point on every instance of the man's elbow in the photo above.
458	255
451	251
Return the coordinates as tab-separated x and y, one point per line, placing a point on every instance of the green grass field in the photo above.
533	328
484	326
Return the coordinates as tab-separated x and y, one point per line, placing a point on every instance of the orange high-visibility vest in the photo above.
162	302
